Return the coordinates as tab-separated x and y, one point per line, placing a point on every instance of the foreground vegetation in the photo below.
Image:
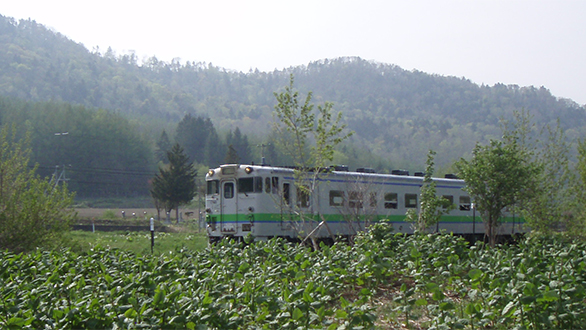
382	281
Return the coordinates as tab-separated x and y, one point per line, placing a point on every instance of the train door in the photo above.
228	207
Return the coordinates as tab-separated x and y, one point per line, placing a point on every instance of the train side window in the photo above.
245	185
287	193
449	198
250	185
228	190
213	187
391	201
464	203
303	196
268	185
355	199
336	198
410	201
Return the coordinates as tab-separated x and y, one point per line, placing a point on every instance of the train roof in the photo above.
343	171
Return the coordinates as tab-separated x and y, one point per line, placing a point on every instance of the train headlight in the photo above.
211	172
248	170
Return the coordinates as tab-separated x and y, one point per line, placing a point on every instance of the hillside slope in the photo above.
396	114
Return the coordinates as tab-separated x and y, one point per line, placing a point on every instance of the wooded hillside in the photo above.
397	115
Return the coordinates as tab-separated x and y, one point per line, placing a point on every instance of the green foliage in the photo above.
443	283
580	189
231	156
398	115
163	146
498	176
438	281
103	153
432	207
294	123
109	214
239	146
195	135
230	286
552	206
33	211
298	127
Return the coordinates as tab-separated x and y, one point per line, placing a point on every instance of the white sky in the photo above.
533	42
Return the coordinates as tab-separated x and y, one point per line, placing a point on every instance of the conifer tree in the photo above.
163	146
231	156
174	185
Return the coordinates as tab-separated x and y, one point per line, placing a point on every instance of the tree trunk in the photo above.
491	233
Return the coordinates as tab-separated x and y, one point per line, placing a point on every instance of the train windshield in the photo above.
250	185
213	187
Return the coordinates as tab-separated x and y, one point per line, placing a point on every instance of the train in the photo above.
261	202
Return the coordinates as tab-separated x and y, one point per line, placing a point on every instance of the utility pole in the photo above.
57	177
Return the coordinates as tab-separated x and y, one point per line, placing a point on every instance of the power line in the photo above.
86	169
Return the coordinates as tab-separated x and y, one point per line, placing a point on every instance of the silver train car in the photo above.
265	202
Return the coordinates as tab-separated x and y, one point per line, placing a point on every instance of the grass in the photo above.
185	235
138	243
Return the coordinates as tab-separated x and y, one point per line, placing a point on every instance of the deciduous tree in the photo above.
580	190
497	177
550	208
33	212
298	125
431	206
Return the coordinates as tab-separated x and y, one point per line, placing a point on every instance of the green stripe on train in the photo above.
336	218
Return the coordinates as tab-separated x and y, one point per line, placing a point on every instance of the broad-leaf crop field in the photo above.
381	281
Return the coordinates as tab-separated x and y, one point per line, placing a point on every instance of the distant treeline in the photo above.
99	153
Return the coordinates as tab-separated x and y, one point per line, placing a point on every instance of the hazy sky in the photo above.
540	43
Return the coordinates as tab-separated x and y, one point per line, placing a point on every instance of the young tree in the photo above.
498	176
33	212
550	207
432	207
297	126
579	191
175	184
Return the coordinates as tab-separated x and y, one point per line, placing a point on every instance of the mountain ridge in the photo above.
397	114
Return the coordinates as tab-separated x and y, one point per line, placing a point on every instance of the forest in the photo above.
121	113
